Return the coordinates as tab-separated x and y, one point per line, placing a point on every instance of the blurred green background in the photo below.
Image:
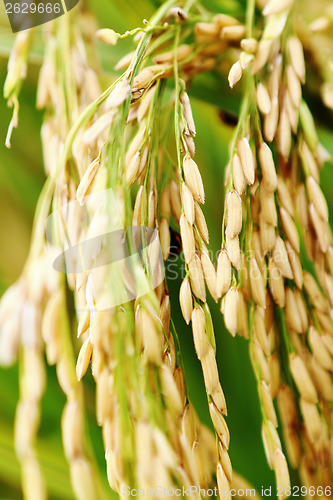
21	179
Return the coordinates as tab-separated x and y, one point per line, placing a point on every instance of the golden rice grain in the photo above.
250	45
165	206
145	103
257	284
294	86
267	205
292	112
199	332
225	461
125	61
323	381
175	202
233	250
231	310
290	229
184	99
296	55
302	309
280	257
223	273
267	235
84	358
321	228
312	420
210	274
87	180
320	350
193	179
234	214
284	134
263	99
197	278
219	425
309	161
275	375
165	238
143	79
151	330
223	20
268	403
267	167
247	160
260	329
238	175
236	32
187	235
84	323
281	472
276	283
201	223
245	60
302	379
242	316
271	441
211	29
293	318
133	168
119	94
235	74
262	55
314	292
317	197
271	120
223	482
188	203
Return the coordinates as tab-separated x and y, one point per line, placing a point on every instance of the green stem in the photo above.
250	11
177	101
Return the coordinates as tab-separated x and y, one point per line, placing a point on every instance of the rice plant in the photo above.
124	194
